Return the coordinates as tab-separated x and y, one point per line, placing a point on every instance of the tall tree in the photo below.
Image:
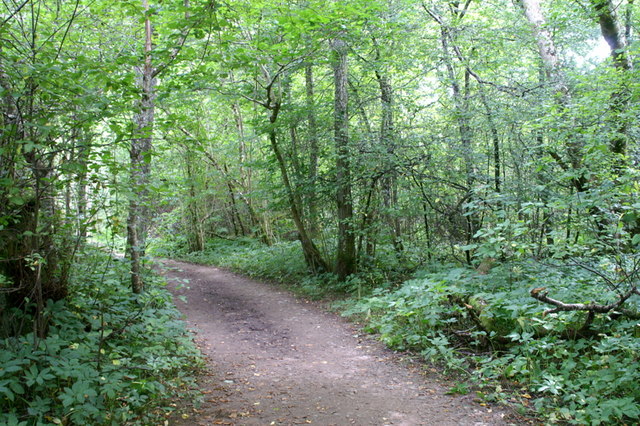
313	146
311	253
346	253
388	144
141	149
614	35
460	97
140	160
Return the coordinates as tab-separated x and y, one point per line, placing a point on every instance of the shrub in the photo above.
487	326
110	357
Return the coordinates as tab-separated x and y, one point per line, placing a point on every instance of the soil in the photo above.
274	359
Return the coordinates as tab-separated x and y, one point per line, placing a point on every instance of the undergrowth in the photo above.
485	327
488	328
109	357
282	262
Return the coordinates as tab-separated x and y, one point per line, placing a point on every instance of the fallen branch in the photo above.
594	308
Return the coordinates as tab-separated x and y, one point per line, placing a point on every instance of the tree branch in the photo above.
543	296
14	13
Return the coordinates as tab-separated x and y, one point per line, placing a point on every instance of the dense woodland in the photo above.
464	174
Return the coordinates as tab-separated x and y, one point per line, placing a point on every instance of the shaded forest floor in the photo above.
275	359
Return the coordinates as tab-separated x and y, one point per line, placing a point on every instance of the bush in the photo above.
282	262
487	326
110	357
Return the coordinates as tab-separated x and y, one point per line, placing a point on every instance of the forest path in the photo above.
274	359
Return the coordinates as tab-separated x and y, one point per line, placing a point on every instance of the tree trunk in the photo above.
311	253
346	254
196	240
140	161
546	46
612	33
313	148
387	140
460	101
495	139
615	38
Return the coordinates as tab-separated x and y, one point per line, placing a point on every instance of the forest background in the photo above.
463	174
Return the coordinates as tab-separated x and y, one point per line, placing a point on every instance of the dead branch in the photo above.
593	308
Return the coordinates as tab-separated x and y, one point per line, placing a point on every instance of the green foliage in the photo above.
281	262
448	313
109	357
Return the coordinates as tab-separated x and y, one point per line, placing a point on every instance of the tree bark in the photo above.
495	138
140	164
387	140
346	253
82	202
312	255
615	38
460	101
553	71
546	46
612	33
313	148
196	240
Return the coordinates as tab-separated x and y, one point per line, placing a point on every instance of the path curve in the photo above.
274	359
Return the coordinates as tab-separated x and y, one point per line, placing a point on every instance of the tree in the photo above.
141	149
346	251
140	155
615	37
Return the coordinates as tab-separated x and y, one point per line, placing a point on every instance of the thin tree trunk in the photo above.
140	152
460	100
311	253
82	202
628	24
235	213
367	219
196	242
495	139
387	140
346	254
313	148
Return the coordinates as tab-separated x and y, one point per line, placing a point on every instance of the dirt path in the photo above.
277	360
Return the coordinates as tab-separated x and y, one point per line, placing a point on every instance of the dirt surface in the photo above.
274	359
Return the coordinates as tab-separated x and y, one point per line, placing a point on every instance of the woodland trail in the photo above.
277	360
